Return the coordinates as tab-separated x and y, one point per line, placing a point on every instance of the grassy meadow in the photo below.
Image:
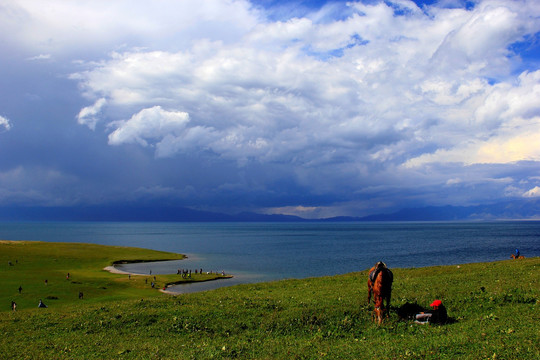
34	262
494	311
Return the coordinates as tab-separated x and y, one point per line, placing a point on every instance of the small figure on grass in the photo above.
517	255
41	304
13	306
20	289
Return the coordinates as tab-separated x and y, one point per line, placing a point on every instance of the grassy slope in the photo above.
494	307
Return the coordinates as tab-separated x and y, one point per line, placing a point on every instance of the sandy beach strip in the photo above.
113	270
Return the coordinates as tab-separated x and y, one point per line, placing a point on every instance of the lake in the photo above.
255	252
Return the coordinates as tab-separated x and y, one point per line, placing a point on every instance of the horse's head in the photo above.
378	314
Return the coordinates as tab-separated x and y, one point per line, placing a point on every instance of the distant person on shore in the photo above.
41	304
517	255
436	316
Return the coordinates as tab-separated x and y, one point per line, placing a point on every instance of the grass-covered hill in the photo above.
494	310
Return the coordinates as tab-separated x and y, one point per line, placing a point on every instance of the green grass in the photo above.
34	262
494	309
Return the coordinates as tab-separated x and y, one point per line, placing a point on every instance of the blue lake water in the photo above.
255	252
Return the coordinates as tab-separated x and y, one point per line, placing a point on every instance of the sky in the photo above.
310	108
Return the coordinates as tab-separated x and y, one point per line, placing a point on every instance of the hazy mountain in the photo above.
511	210
525	209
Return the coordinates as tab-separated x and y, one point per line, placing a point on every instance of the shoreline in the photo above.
114	270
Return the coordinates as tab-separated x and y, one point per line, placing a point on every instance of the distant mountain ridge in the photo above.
132	213
511	210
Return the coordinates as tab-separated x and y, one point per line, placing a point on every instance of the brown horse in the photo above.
513	256
380	284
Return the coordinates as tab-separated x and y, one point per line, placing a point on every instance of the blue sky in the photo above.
309	108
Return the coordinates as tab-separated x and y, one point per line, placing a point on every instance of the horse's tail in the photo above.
386	275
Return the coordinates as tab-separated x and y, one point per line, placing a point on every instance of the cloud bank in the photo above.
344	99
404	88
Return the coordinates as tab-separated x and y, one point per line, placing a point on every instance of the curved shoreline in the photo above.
114	270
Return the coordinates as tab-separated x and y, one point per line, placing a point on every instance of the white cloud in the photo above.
534	192
454	181
503	126
5	124
39	57
89	115
149	125
78	27
371	87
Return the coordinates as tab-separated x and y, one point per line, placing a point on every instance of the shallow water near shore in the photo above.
192	263
255	252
